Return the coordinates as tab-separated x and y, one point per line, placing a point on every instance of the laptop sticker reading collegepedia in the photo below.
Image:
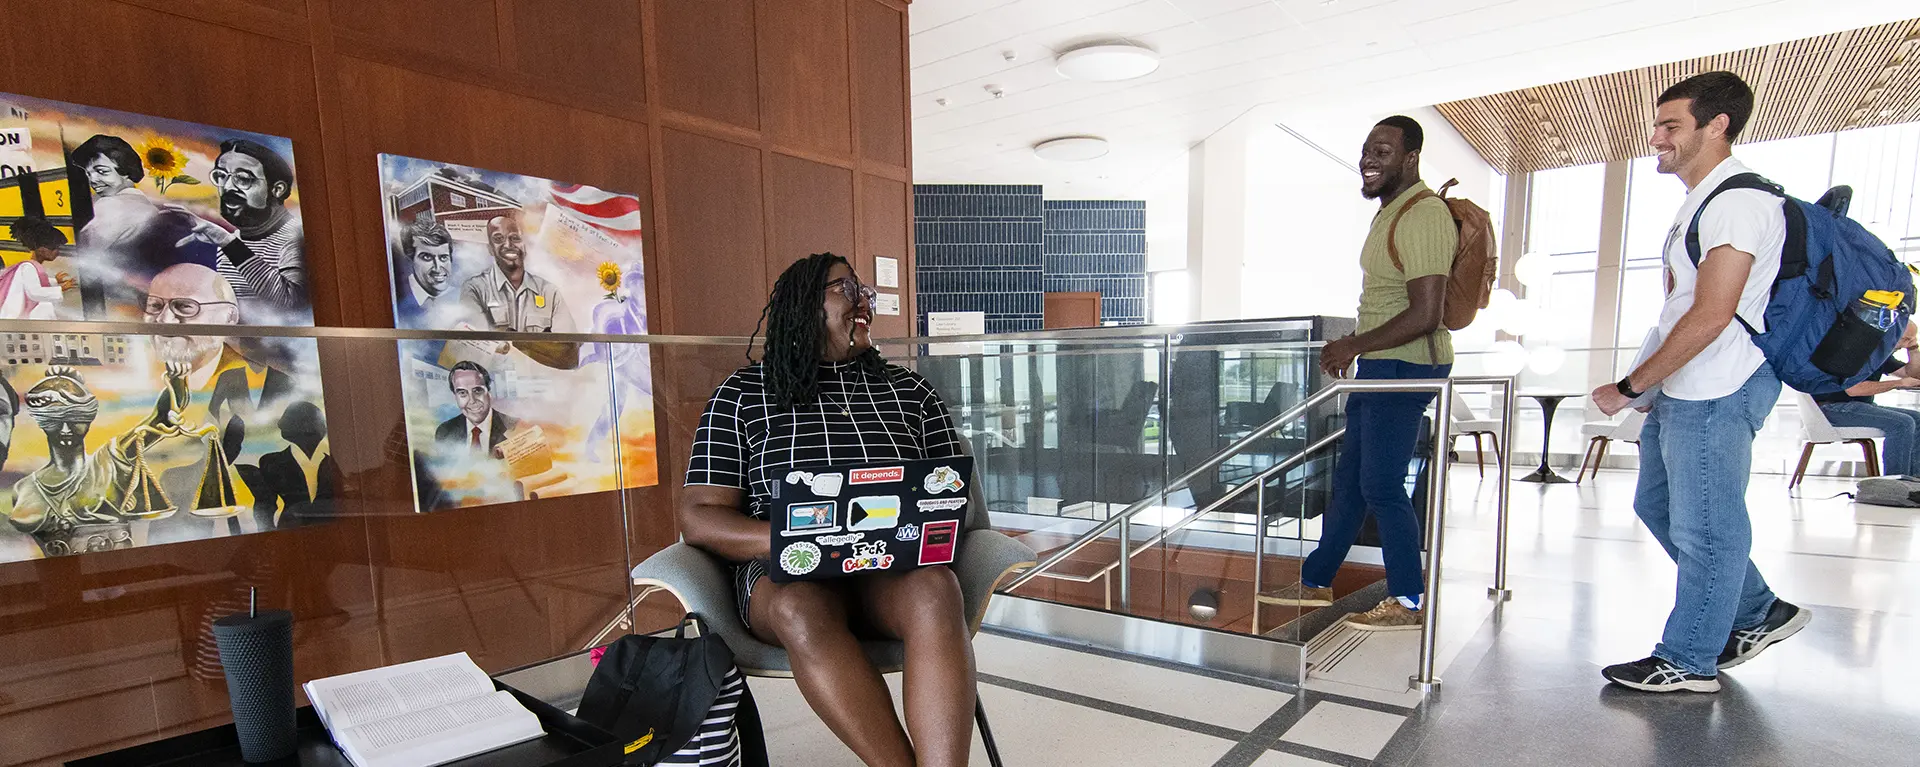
838	521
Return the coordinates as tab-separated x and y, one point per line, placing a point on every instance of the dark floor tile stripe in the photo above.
1320	754
1131	712
1258	742
1370	705
1224	676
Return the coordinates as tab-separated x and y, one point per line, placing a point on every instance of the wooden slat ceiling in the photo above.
1856	79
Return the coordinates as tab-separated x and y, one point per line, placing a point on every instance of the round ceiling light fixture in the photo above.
1107	63
1071	148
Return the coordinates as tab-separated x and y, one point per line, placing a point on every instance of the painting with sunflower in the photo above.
135	197
479	249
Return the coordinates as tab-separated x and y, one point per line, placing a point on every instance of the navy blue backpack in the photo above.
1813	339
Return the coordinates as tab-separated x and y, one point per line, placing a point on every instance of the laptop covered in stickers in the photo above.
840	521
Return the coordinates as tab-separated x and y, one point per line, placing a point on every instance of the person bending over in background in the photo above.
1854	407
822	395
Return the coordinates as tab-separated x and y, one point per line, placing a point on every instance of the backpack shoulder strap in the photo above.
1737	181
1393	252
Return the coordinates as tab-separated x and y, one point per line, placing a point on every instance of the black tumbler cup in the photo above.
257	651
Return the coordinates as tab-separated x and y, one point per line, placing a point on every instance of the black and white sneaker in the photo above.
1653	674
1783	620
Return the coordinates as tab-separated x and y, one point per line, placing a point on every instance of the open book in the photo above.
420	714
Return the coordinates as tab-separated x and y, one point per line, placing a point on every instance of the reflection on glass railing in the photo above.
491	424
1073	429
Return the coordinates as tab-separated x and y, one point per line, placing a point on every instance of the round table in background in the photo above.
1549	402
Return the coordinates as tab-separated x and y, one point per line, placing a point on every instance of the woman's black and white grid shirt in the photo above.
745	441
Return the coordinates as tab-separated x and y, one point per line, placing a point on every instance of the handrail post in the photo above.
1424	679
1126	564
1260	543
1499	591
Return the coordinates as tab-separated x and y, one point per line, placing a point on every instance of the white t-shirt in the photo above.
1751	222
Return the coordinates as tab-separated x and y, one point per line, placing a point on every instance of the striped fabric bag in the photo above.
675	700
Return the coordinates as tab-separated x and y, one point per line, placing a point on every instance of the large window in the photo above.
1883	167
1563	226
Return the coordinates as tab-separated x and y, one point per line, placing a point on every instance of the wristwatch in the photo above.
1626	388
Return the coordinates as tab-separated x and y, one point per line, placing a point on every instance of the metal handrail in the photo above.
1424	678
1236	491
1125	515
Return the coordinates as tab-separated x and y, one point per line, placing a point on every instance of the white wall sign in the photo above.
886	272
16	152
955	324
886	303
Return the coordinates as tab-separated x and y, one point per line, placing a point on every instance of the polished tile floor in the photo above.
1521	681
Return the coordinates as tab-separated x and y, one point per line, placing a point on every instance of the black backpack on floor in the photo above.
675	700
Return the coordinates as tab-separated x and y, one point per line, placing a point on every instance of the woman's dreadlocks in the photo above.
796	322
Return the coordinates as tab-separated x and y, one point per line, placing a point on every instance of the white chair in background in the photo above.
1601	434
1816	430
1467	423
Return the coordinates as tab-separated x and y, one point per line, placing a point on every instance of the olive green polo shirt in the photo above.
1427	240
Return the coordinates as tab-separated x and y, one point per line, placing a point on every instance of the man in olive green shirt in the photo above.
1400	336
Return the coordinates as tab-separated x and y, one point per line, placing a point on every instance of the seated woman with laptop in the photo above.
822	396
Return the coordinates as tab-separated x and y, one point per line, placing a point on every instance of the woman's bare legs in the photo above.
923	608
809	619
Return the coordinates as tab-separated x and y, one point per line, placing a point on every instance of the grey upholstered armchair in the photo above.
703	585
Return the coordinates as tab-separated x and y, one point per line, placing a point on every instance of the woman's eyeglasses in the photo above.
184	308
856	293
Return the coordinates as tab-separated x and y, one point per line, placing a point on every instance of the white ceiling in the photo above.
1224	58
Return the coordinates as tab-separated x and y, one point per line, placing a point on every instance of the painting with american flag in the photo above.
517	418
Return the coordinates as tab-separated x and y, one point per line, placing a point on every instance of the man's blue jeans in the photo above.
1371	475
1899	425
1695	458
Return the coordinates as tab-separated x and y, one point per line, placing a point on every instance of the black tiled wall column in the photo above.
1099	245
979	247
996	248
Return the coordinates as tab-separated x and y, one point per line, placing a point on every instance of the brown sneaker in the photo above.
1299	595
1389	615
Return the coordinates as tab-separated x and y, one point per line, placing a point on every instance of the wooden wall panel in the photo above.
547	40
293	7
803	74
471	126
466	31
230	90
812	210
715	266
880	72
884	223
707	64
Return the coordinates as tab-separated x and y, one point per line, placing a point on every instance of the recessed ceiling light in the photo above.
1107	63
1071	148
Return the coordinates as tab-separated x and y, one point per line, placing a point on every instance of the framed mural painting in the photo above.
502	421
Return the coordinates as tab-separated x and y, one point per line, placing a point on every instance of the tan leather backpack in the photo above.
1475	265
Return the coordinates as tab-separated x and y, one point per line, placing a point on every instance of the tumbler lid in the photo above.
242	623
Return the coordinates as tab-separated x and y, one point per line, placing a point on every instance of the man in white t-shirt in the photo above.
1715	390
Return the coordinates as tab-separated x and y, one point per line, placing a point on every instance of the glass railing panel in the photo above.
1065	433
1226	390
